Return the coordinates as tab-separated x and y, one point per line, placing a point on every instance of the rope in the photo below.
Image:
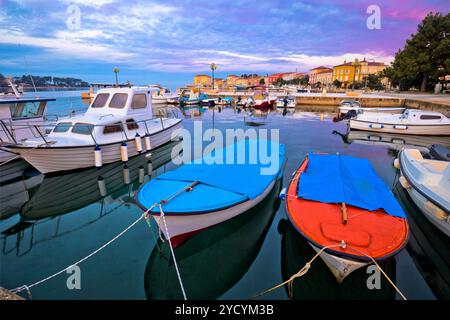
171	250
307	266
28	287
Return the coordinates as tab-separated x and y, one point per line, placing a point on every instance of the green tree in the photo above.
426	56
373	81
337	83
262	81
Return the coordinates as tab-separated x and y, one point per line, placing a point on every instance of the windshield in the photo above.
118	100
83	128
100	100
62	127
27	109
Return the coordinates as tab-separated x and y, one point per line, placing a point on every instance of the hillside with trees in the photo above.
44	81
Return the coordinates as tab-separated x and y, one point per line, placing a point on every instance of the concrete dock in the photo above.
7	295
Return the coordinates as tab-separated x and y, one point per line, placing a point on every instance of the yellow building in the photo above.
218	83
313	74
202	80
350	72
231	80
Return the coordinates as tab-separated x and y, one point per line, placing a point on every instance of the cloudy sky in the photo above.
169	41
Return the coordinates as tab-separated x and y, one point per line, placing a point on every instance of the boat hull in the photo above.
344	110
184	224
434	130
56	159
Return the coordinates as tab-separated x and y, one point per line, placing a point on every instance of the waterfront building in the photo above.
324	72
202	80
355	71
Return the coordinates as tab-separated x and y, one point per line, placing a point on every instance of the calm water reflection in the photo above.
47	223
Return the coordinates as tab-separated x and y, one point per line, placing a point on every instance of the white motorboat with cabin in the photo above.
347	105
428	184
118	124
411	121
20	118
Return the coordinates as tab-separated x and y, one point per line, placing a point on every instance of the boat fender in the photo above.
148	146
401	127
141	174
376	126
102	186
405	184
124	152
397	163
438	212
283	194
98	157
149	168
138	141
126	174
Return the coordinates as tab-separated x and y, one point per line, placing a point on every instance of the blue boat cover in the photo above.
332	178
221	185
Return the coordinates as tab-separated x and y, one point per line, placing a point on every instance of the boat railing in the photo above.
124	127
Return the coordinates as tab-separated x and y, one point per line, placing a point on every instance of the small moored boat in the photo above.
339	204
197	196
411	121
428	184
440	151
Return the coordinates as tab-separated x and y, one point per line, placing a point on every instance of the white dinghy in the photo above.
411	121
428	184
118	124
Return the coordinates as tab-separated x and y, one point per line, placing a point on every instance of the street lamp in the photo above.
355	64
213	67
116	71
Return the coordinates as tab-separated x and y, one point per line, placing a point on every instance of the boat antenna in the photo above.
13	86
32	82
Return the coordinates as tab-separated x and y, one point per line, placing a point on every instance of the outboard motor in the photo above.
350	114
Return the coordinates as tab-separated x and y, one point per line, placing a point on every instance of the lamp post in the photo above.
213	67
355	64
116	71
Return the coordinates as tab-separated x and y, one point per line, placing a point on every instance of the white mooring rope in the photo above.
28	287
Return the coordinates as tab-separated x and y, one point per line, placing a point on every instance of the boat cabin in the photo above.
21	109
115	114
422	116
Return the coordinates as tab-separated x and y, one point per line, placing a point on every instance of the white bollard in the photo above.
149	168
141	174
148	145
126	174
102	186
124	152
138	142
98	157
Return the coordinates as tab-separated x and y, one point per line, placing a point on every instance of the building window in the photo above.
118	100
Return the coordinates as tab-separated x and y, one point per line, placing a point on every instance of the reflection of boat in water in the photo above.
13	169
15	193
213	260
318	283
393	141
112	187
65	193
428	247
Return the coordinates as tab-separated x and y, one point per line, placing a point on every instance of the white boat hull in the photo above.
430	211
54	159
184	224
434	130
340	267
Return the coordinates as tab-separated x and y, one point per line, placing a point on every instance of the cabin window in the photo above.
62	127
131	125
112	128
429	117
118	100
139	101
27	109
83	128
100	100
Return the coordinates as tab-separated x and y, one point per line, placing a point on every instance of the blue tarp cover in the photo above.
332	178
221	184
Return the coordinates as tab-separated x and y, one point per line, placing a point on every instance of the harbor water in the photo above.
48	223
